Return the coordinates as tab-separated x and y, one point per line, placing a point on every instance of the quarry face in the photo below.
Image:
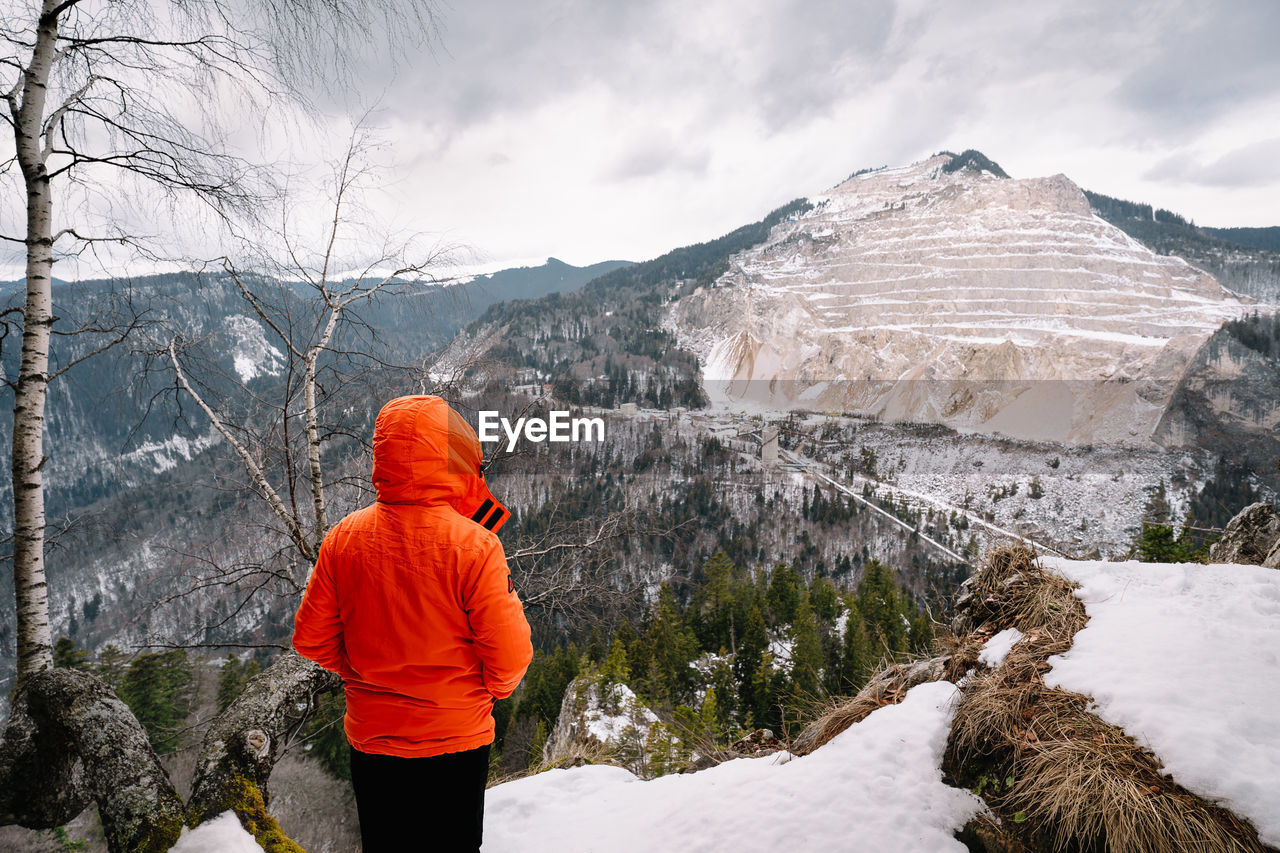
964	298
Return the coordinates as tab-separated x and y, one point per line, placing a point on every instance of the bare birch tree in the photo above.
305	304
103	94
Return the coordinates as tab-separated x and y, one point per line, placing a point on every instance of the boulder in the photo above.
1251	538
1273	559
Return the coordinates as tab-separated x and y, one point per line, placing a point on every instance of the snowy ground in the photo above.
875	787
1186	659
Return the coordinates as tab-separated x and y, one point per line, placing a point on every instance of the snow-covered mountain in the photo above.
944	292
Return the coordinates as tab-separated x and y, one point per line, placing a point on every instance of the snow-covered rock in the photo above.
875	787
252	355
596	715
989	304
1186	659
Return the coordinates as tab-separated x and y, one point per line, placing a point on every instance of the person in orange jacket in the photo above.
411	602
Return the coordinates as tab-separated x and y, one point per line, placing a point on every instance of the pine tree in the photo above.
710	718
714	602
857	656
750	657
662	751
325	737
230	682
806	656
153	688
879	604
68	655
783	596
615	669
1158	543
111	666
824	598
671	646
539	744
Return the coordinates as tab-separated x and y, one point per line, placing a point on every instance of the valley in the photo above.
852	400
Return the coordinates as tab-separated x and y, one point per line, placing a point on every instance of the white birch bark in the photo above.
27	104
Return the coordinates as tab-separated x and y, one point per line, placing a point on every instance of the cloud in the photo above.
1210	59
681	120
1253	165
649	156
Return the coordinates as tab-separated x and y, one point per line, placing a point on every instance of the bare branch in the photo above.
258	309
251	465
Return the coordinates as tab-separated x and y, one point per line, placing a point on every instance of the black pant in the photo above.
428	804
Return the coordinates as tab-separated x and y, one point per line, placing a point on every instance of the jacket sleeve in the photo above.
317	627
498	625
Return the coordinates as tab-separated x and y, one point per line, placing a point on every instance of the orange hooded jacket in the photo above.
410	600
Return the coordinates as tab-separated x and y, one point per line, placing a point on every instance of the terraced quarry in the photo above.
959	297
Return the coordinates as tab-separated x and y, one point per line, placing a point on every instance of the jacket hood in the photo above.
425	453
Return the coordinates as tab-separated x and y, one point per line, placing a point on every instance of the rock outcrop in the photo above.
957	297
1252	538
602	721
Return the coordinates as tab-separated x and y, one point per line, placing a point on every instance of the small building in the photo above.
769	444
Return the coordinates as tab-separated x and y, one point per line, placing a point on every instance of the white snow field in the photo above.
876	787
1186	659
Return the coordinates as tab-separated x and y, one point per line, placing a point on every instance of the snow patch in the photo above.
995	650
877	786
629	712
251	354
223	834
1186	659
164	455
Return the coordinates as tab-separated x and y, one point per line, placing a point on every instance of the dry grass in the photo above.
1106	787
843	715
889	687
1056	773
576	754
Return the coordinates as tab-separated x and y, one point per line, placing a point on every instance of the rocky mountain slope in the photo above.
945	293
1244	260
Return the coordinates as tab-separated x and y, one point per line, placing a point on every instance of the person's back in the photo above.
412	604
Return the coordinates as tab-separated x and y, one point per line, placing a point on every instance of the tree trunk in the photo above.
35	643
42	782
69	740
93	745
243	743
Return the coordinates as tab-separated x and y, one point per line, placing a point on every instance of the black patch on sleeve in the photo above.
492	520
482	511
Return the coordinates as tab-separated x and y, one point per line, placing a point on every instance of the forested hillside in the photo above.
1245	260
605	344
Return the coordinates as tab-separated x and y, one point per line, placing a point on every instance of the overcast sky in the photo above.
592	130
